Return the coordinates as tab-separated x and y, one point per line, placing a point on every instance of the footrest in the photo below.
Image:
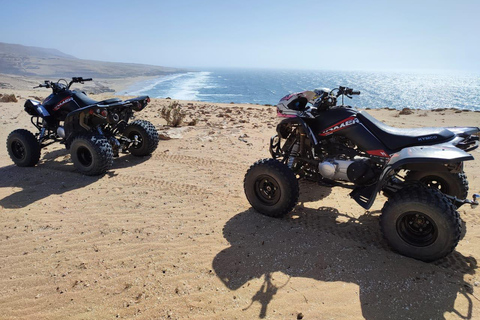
362	195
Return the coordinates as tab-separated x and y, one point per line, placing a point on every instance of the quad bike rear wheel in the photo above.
420	223
271	188
91	154
452	184
23	148
144	137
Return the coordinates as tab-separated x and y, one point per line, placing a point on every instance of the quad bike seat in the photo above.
396	138
84	100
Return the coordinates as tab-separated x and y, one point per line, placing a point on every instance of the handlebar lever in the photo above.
45	85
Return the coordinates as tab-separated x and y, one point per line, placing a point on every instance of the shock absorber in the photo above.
298	149
41	136
291	158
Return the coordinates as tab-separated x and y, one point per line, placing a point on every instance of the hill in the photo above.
34	61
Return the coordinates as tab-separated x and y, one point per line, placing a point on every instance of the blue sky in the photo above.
334	35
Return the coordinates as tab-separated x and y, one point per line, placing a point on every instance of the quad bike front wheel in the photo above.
452	184
421	223
91	154
144	137
271	188
23	148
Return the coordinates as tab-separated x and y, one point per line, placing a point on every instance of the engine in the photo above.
358	171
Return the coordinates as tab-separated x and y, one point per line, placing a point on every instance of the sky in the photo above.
301	34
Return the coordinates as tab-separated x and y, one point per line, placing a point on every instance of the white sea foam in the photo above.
151	84
188	86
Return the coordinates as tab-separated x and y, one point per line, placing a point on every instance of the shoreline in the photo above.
189	89
111	88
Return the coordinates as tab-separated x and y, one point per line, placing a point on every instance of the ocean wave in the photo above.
151	84
188	87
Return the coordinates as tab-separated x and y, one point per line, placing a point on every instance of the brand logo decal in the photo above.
427	138
61	103
378	153
340	125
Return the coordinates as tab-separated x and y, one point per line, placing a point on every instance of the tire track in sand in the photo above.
173	187
177	158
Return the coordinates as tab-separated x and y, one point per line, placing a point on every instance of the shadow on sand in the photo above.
326	245
51	176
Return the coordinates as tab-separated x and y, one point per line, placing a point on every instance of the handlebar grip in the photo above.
355	93
88	79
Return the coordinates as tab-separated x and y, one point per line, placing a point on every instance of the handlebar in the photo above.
80	79
57	86
347	91
47	84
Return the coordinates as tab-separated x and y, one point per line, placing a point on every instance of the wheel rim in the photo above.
435	182
18	149
137	140
84	156
417	229
267	190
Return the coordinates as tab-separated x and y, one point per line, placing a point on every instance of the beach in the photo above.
172	236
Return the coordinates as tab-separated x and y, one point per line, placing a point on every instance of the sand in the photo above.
172	236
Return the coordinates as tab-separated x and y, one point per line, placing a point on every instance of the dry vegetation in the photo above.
8	98
173	114
406	111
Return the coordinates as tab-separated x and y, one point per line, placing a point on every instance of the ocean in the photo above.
396	90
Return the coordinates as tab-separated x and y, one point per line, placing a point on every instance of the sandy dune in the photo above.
172	236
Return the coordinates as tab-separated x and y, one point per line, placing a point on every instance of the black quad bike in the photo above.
420	171
93	131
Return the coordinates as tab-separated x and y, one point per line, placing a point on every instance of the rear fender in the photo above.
464	131
139	103
467	138
439	157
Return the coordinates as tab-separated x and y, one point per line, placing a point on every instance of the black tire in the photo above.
23	148
91	155
421	223
271	188
145	137
452	184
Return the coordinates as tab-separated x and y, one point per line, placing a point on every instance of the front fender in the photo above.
35	109
406	158
298	122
